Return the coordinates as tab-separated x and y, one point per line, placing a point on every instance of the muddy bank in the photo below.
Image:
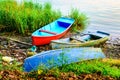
18	50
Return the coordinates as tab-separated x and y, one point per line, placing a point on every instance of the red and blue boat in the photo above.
52	31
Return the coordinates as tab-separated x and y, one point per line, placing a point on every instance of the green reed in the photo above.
27	17
81	20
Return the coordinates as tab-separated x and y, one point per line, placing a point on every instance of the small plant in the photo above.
81	20
62	59
55	71
12	67
51	63
9	66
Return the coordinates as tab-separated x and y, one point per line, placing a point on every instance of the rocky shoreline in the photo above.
112	47
18	49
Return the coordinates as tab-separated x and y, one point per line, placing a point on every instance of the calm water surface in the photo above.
103	14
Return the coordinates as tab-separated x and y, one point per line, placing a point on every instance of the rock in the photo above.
15	51
49	78
7	59
4	43
20	58
71	78
16	55
30	53
5	46
17	47
1	47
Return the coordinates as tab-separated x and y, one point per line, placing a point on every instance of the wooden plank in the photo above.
16	41
48	32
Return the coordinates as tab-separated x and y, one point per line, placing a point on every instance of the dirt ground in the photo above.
18	50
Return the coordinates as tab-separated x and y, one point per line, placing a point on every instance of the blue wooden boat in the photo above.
59	57
81	40
52	31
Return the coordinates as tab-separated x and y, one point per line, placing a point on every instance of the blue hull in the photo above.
61	56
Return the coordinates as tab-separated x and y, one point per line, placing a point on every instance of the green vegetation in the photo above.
81	20
27	17
92	67
12	66
86	67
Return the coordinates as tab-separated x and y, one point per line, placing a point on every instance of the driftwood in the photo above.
18	41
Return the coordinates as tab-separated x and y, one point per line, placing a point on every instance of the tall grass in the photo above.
27	17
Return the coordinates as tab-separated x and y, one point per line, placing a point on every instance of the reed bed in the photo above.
27	17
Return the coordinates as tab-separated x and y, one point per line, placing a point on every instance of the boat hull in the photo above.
58	57
52	31
41	40
64	43
83	40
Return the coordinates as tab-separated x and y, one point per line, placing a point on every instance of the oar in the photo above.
48	32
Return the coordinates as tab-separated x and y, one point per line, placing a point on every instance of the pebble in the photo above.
7	59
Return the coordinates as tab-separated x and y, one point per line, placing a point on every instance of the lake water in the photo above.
103	14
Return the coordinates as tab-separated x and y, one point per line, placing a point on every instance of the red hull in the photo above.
42	40
52	31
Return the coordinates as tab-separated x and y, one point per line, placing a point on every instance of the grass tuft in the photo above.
81	20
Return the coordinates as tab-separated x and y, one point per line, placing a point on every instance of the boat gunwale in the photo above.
56	34
53	50
66	29
68	43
